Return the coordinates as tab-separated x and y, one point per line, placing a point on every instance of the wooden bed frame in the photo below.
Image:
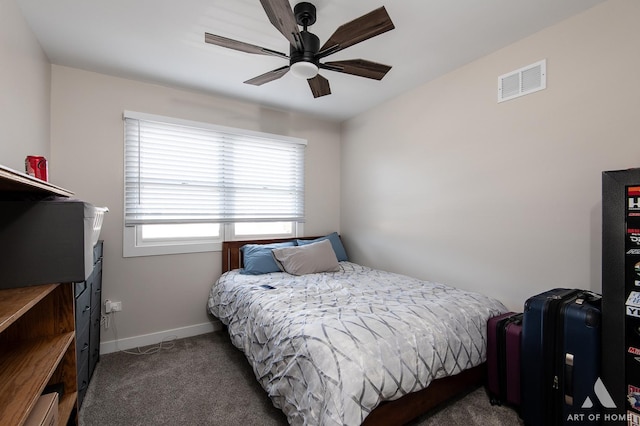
408	407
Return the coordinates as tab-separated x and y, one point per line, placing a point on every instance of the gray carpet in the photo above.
205	380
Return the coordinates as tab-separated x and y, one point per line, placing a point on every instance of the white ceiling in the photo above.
162	41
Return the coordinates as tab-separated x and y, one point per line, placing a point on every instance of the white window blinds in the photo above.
185	172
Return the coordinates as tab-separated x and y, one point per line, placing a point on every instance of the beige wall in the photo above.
24	90
446	184
166	292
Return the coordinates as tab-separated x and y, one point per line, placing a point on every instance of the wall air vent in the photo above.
523	81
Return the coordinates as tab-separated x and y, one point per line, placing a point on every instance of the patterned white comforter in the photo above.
329	347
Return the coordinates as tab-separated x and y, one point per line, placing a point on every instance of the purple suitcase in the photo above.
503	358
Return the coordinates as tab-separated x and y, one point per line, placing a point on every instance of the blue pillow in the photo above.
257	258
336	243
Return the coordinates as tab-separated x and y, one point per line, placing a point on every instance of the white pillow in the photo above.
307	259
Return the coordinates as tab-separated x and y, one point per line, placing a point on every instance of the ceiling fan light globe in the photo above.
304	70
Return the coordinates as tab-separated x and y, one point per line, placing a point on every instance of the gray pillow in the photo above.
307	259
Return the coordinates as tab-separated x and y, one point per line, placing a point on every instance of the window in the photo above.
189	186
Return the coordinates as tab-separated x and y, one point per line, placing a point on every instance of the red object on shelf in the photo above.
36	166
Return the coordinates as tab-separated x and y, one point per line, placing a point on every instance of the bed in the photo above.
355	345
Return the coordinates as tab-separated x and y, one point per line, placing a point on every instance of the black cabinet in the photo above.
621	294
88	297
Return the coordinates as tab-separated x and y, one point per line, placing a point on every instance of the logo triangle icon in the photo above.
587	403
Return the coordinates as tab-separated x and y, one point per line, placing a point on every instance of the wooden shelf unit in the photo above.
15	181
37	348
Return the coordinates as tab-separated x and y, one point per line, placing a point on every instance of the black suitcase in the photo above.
561	358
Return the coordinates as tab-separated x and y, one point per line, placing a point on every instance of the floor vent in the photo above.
523	81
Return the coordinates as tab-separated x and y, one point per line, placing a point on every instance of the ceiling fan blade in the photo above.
363	28
359	67
241	46
281	16
319	86
268	76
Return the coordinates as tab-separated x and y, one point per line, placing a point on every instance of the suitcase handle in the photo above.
568	379
588	296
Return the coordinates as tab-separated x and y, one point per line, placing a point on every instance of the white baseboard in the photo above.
155	338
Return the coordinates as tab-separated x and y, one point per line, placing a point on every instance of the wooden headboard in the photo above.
232	258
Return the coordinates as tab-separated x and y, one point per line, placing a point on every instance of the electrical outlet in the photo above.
104	320
110	306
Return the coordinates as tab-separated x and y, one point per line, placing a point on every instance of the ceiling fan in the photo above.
305	51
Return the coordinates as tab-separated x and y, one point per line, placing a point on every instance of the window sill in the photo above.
130	249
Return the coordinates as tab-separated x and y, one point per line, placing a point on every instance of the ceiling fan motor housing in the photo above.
311	44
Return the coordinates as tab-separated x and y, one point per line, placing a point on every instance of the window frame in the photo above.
134	247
